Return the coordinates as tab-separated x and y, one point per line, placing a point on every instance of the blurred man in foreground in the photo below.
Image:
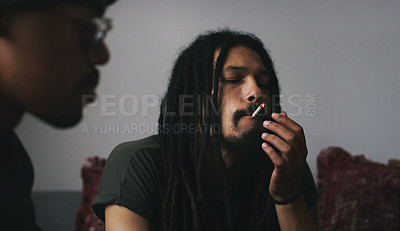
49	50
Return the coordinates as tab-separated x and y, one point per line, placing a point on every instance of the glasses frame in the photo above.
102	26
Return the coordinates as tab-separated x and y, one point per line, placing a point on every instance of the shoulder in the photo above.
135	165
132	178
147	149
128	148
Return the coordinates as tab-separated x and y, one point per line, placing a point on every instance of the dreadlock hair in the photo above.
188	103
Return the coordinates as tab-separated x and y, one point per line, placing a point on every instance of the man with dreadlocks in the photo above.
213	166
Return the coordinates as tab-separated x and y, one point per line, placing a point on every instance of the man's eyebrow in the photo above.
235	68
242	68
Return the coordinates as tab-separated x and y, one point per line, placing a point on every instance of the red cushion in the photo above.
91	174
356	193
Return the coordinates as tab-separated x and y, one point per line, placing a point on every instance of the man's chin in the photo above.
247	142
62	121
248	123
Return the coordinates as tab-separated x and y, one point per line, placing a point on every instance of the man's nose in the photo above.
252	92
99	54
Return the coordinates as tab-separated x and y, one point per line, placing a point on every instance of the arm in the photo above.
295	216
130	180
119	218
289	162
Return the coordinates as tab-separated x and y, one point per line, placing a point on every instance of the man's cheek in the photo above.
229	105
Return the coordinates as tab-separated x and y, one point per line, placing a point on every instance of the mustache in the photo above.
248	111
90	81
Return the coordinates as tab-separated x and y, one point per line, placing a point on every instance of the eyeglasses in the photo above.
101	26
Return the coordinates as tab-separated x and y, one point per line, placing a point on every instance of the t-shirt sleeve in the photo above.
310	192
131	179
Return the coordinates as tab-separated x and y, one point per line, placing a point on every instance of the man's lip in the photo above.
93	84
253	118
92	91
91	81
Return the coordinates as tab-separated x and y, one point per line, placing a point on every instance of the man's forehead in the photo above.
218	51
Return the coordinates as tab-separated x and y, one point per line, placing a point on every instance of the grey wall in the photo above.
56	210
338	64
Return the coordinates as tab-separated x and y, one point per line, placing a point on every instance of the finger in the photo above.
283	113
276	159
282	131
279	144
289	123
285	120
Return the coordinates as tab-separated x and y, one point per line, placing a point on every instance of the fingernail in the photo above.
264	135
266	123
275	115
264	145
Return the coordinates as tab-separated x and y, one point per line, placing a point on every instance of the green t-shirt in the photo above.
133	178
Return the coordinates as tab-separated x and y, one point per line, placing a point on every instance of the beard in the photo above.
247	146
248	142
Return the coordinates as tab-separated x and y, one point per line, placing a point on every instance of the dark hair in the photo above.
23	3
27	5
185	205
